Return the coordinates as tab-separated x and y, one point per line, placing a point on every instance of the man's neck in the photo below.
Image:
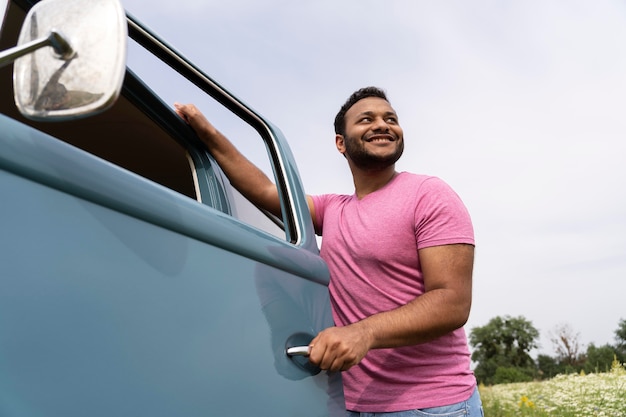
366	182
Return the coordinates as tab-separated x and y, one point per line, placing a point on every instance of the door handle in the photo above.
298	351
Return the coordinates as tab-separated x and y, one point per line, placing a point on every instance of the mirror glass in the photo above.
48	87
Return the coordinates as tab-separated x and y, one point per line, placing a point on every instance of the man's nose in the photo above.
380	125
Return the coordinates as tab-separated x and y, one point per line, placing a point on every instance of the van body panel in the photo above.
35	155
106	314
132	284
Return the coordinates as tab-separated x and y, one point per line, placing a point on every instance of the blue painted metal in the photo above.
35	155
120	297
104	314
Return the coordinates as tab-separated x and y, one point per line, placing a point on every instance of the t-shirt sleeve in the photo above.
441	218
319	204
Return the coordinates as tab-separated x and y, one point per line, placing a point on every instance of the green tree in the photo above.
548	366
505	342
599	359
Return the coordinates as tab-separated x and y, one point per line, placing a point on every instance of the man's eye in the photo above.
392	120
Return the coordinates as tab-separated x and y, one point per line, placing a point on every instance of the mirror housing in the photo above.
82	71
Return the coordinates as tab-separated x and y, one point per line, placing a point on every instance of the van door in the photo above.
131	282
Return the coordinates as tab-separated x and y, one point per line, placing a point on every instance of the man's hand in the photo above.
198	122
340	348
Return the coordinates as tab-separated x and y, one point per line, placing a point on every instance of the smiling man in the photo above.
400	252
371	121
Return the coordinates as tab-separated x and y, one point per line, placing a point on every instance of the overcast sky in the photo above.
519	105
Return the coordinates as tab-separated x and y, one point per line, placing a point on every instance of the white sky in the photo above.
519	105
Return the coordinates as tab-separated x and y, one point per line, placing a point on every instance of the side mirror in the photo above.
70	59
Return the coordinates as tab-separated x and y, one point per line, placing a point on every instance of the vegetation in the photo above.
567	346
579	395
573	383
501	351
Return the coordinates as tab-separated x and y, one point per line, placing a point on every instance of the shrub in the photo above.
507	375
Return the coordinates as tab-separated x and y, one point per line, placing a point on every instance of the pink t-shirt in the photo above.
371	247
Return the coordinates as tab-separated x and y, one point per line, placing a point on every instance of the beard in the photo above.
368	161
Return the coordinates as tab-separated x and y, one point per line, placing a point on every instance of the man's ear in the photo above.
340	143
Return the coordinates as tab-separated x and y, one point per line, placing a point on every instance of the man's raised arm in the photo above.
246	177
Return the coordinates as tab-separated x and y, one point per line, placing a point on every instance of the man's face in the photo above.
374	138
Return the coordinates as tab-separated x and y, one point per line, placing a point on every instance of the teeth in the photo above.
384	138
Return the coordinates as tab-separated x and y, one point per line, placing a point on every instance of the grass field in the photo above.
574	395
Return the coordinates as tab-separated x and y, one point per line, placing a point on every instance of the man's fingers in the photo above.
336	349
320	355
180	109
327	358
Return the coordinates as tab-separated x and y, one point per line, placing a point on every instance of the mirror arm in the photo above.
61	46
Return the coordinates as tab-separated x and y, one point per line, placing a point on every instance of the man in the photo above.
400	253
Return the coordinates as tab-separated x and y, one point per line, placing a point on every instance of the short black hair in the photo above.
365	92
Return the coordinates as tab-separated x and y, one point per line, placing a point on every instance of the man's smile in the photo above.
381	138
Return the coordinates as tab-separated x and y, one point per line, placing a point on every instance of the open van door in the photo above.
134	281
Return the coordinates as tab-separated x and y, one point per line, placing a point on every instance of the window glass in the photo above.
171	88
247	212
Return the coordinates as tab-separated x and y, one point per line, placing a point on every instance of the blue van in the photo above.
134	280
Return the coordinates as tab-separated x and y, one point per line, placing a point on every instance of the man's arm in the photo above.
246	177
444	307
